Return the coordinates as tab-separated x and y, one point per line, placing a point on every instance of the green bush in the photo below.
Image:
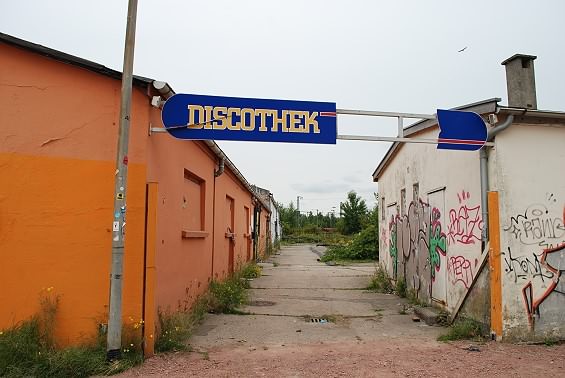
363	246
463	329
380	281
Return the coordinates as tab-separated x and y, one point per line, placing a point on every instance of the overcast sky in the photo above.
373	55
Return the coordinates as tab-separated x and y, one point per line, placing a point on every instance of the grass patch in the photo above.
275	264
464	329
177	327
222	297
251	270
28	349
550	341
400	287
380	281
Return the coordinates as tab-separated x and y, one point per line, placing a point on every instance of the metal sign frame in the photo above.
369	138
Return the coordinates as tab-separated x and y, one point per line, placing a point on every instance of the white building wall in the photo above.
438	237
275	221
528	170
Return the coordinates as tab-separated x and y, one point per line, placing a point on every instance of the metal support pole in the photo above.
401	127
114	340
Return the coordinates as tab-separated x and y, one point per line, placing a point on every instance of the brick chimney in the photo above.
521	81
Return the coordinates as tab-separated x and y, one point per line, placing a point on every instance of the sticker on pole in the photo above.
460	130
188	116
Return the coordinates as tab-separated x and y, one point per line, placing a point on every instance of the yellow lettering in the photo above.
244	125
208	124
220	119
310	120
295	118
281	121
194	122
233	112
263	113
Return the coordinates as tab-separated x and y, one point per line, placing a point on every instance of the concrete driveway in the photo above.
365	335
301	300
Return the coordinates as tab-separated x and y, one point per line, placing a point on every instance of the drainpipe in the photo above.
220	168
217	173
484	174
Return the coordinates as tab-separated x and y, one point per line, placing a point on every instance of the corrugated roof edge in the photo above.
481	107
103	70
70	59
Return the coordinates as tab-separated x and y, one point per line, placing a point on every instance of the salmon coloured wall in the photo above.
230	191
184	262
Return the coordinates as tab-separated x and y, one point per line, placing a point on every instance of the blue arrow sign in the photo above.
188	116
460	130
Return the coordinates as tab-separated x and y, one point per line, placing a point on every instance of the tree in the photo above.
354	213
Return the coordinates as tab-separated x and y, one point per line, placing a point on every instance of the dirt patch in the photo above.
361	359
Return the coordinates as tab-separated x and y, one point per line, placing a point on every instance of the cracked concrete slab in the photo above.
295	286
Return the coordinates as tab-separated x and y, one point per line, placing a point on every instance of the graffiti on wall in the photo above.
525	267
537	226
416	241
465	222
437	244
544	291
460	270
553	297
393	251
384	237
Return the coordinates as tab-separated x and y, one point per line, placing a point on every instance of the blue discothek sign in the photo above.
460	130
188	116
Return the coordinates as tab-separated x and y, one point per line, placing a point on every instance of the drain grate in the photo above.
318	320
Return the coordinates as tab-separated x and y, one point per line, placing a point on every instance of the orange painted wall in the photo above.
59	128
228	185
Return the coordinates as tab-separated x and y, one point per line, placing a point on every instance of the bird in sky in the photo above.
463	49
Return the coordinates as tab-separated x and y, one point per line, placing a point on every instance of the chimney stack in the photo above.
521	81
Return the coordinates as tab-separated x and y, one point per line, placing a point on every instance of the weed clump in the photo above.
380	281
463	329
28	349
400	288
251	270
177	327
224	297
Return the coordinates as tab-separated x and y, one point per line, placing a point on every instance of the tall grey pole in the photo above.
114	341
298	211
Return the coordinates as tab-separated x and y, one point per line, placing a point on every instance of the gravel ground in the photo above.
403	358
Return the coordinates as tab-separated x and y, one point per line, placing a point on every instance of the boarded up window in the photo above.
193	202
415	192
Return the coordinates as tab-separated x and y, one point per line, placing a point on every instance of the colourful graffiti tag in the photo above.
465	223
437	243
554	288
393	250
